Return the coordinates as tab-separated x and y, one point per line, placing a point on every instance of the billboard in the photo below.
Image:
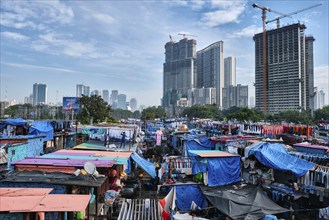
70	103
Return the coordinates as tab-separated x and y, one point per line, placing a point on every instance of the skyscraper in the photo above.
178	71
122	103
321	98
133	104
40	94
210	69
82	90
106	96
229	71
235	96
289	74
114	99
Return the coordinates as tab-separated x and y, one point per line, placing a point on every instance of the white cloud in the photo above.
57	44
103	18
225	12
321	77
248	31
34	15
14	36
21	65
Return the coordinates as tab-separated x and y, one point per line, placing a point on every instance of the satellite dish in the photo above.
89	167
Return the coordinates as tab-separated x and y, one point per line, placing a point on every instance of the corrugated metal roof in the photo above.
24	191
52	178
38	200
212	153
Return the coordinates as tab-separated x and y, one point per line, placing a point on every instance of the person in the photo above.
123	139
114	181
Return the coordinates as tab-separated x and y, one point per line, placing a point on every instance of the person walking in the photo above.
123	139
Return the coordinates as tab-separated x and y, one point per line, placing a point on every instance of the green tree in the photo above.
122	114
296	117
93	109
202	111
137	114
152	113
245	114
322	114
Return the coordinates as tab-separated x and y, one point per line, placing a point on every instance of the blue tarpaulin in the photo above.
271	155
144	164
197	144
223	170
12	121
42	128
186	194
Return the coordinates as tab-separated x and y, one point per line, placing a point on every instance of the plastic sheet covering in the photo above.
12	121
186	194
42	128
198	144
223	171
198	165
272	156
248	203
144	164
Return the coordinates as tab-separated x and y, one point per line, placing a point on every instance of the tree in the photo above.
153	112
93	109
322	114
122	114
295	116
202	111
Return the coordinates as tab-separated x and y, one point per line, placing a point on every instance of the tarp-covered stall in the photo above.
275	156
42	128
248	202
222	168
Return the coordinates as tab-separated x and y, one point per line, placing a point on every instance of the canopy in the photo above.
42	127
269	154
144	164
12	121
246	203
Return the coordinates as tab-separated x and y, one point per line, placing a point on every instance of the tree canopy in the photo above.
152	113
204	111
93	109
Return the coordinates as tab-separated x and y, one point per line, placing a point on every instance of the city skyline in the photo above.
121	44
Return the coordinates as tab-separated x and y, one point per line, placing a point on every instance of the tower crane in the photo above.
292	13
264	9
184	35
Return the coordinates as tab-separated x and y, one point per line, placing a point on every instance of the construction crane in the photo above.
184	35
292	13
264	9
171	40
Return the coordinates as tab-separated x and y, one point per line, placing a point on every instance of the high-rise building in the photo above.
106	96
133	104
321	99
210	69
114	98
201	96
229	71
178	71
289	75
122	101
96	92
82	90
235	96
40	94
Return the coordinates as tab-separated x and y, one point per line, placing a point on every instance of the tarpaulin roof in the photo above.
186	194
11	121
272	155
117	157
42	127
198	144
246	203
64	162
223	168
144	164
21	200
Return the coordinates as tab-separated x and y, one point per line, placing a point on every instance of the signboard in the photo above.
70	103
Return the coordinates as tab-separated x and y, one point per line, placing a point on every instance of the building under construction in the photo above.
289	78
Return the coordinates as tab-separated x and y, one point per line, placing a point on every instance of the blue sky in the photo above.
120	44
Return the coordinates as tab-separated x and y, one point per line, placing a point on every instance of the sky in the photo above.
119	45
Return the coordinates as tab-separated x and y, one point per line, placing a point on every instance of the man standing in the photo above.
123	139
